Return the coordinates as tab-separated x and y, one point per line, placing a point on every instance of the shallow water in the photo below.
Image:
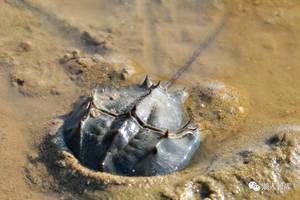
256	52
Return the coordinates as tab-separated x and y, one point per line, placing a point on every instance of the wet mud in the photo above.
244	93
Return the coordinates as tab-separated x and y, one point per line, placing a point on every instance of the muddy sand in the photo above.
244	93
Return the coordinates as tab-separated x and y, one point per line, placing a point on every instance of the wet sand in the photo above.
256	53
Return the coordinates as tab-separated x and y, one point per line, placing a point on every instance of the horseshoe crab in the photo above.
139	130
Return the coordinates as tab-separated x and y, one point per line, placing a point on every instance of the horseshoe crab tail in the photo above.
201	48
